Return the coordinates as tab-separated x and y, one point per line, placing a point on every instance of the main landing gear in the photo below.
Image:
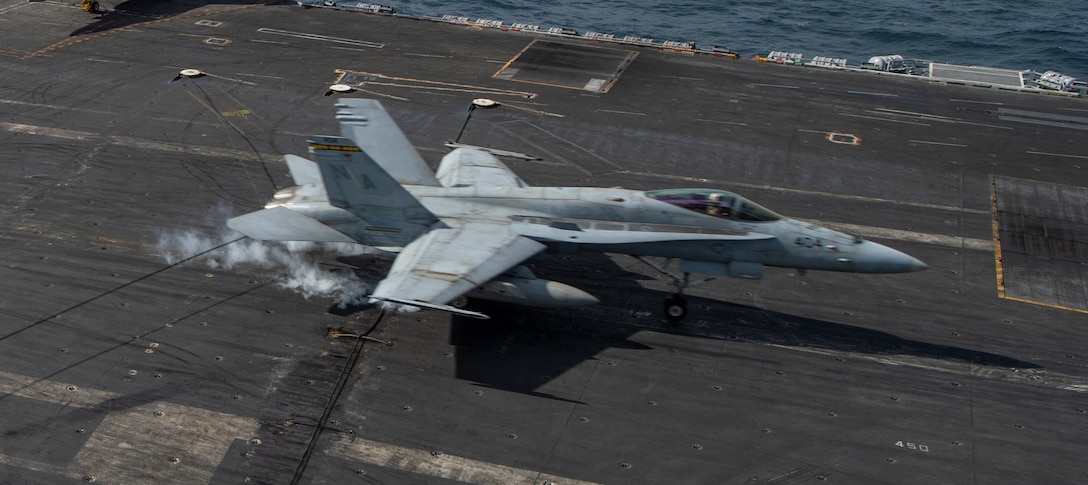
676	307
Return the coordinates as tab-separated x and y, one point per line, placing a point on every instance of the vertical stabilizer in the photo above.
356	182
366	122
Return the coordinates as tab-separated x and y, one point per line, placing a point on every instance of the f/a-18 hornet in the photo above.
465	230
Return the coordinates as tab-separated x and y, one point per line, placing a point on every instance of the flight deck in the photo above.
142	342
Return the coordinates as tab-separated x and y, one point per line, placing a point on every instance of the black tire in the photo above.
460	302
675	308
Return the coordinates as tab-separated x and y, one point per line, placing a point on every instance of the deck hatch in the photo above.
572	66
1041	230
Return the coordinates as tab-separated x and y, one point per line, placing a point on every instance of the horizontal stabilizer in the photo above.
434	306
283	224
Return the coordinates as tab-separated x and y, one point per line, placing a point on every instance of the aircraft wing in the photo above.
446	263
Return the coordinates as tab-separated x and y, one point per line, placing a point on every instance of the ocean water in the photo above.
1025	34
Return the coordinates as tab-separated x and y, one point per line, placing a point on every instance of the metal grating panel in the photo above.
568	65
1041	231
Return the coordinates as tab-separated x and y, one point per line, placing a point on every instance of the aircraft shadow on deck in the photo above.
520	349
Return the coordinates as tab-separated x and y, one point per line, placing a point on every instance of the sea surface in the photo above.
1012	34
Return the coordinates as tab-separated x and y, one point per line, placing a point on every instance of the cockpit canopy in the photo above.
714	202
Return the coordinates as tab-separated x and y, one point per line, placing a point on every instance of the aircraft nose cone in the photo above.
915	264
872	257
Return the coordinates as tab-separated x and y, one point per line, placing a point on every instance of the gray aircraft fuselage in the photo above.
572	219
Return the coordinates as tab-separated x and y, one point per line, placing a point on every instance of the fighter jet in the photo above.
466	229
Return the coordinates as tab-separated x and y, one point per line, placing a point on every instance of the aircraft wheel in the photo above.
675	308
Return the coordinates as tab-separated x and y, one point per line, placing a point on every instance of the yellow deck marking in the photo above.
1000	269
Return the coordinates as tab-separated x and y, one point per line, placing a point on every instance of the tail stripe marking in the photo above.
340	148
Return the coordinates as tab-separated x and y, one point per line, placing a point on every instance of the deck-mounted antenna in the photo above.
482	103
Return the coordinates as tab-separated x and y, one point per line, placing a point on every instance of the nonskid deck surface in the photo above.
142	343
